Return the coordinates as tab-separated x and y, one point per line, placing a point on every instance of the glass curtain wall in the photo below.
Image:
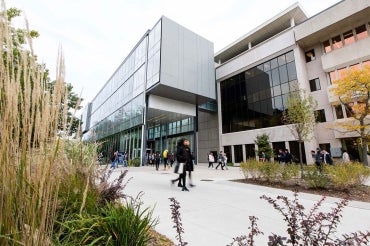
154	55
256	98
120	103
165	136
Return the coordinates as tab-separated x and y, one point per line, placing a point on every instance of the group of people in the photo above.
285	157
117	158
155	159
221	160
321	157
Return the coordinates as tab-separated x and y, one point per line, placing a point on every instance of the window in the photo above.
342	72
325	146
327	46
361	32
315	84
349	110
255	99
332	77
320	115
348	37
310	55
337	42
339	111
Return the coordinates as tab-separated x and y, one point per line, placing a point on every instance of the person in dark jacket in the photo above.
157	160
183	155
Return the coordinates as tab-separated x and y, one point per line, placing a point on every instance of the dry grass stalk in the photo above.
30	156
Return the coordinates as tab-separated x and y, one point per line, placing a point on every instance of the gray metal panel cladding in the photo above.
187	60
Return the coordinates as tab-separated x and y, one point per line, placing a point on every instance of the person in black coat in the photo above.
183	155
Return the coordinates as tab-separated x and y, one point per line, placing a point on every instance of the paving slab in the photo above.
216	210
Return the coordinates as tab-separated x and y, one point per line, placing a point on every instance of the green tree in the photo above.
263	144
12	58
300	118
73	103
353	91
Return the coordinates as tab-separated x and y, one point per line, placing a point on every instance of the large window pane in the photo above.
254	99
337	42
285	88
292	73
348	37
274	63
275	76
339	111
277	90
315	84
283	74
281	60
361	32
327	46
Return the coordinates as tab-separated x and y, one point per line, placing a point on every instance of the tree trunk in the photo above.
364	152
300	157
363	142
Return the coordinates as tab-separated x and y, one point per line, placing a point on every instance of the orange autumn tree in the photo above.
353	91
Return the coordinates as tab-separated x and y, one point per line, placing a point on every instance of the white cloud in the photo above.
96	36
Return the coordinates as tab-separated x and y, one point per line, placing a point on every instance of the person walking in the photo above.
318	159
211	159
183	155
157	160
345	156
225	161
220	160
172	159
114	160
165	158
281	156
288	157
327	157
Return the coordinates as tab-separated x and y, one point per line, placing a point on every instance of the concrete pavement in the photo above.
216	210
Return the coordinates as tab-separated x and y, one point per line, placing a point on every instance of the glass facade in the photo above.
256	98
117	112
154	56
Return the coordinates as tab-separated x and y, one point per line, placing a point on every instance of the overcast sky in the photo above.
96	36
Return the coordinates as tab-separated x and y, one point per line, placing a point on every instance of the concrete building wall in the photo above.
329	17
347	55
256	55
207	135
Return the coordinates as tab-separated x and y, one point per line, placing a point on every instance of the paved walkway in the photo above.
216	210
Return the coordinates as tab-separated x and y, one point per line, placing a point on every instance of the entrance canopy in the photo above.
164	110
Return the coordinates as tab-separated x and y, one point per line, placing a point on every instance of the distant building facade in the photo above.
255	74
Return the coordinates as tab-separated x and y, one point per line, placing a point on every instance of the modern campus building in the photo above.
250	79
162	91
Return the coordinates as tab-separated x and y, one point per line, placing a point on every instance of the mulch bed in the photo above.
356	194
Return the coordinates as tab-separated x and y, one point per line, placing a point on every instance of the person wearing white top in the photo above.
345	156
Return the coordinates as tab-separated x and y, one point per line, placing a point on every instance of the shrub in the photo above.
176	217
348	175
315	178
251	169
115	224
290	171
134	162
313	227
271	171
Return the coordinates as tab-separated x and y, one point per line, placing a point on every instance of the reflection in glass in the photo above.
249	101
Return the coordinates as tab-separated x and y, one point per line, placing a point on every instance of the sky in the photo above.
96	36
